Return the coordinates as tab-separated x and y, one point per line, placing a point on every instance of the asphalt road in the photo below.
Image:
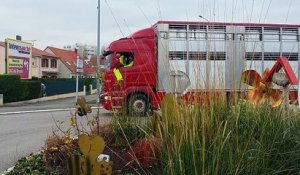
22	133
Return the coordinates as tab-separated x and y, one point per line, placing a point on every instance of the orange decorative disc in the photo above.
256	97
251	77
275	97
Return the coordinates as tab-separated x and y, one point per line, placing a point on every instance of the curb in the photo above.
8	170
44	110
12	168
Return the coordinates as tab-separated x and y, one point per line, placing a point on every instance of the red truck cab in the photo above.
136	93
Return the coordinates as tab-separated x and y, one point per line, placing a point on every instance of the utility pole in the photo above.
98	54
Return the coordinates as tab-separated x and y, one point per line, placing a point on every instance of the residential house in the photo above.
67	63
44	64
90	67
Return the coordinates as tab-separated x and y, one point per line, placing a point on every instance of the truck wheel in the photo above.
138	105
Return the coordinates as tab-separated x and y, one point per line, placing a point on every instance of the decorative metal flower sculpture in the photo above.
83	108
91	147
261	89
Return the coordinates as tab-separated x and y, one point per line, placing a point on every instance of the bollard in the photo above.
84	90
1	99
91	88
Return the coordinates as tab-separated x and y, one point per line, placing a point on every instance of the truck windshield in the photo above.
107	61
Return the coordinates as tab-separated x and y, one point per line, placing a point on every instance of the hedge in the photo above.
32	90
11	87
87	82
14	89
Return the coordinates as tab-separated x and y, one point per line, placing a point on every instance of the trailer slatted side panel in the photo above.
214	55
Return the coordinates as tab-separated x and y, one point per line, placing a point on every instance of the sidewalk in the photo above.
54	97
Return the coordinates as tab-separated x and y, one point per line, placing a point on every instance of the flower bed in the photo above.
215	138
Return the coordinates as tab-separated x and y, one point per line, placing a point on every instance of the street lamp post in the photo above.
98	68
200	16
207	70
98	54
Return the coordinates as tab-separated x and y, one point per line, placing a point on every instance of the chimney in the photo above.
18	37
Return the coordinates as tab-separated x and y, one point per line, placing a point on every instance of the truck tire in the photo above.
138	105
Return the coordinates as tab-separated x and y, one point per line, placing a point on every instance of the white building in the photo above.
84	50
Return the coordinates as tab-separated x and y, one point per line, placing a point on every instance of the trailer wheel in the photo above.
138	105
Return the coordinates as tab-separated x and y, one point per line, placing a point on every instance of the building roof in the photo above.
69	59
91	66
38	52
2	44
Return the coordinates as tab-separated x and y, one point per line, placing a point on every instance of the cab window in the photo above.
126	59
108	58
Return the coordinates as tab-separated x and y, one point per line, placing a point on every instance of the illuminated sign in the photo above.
18	57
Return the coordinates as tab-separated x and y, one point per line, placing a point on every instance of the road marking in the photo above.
43	110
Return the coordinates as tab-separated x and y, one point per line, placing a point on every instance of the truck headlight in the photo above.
107	98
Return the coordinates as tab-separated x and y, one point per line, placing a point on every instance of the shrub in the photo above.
126	130
105	131
145	151
32	164
123	131
87	82
57	150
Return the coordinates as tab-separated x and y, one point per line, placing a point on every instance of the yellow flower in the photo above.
68	140
54	148
29	158
72	121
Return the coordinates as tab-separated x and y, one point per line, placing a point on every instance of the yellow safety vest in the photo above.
123	64
122	60
129	65
118	74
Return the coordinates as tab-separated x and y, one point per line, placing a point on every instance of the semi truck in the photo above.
191	59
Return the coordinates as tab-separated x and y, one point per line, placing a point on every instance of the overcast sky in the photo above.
65	22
